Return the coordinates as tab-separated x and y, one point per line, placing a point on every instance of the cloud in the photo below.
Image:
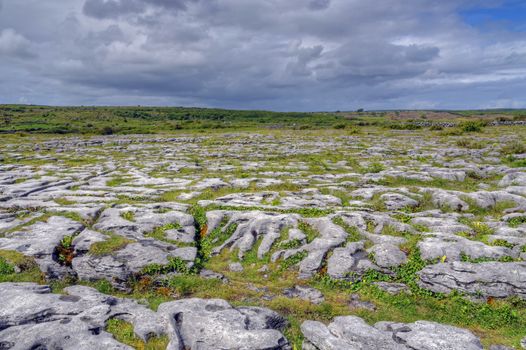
116	8
287	55
319	4
111	8
13	44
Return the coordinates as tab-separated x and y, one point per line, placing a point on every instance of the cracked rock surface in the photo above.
317	226
34	318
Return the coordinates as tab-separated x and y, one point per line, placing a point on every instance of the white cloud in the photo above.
14	44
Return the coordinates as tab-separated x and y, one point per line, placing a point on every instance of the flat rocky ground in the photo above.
335	239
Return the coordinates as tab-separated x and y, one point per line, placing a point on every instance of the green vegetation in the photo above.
128	215
6	268
10	261
472	126
124	333
144	120
117	181
514	147
65	251
470	143
175	264
159	233
113	243
517	221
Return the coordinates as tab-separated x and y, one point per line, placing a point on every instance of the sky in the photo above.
285	55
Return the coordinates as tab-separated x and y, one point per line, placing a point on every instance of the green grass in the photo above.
517	221
353	235
159	233
128	215
117	181
147	120
6	268
308	230
514	147
175	264
112	244
124	333
293	260
29	271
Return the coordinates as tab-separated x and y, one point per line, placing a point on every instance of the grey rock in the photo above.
145	220
349	262
393	288
306	293
331	236
252	226
495	279
426	335
500	347
235	267
214	324
396	201
387	255
40	240
454	246
32	317
356	303
84	240
351	332
347	333
122	264
208	274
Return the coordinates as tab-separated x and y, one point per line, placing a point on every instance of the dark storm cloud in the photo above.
319	4
116	8
294	55
111	8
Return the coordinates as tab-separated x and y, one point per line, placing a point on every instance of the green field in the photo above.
153	120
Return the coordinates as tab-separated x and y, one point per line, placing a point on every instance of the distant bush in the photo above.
375	167
514	147
107	130
452	132
436	127
472	126
339	126
470	143
405	126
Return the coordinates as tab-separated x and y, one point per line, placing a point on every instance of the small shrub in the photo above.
293	260
470	143
107	130
128	215
514	147
517	221
64	252
5	267
374	168
175	264
472	126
